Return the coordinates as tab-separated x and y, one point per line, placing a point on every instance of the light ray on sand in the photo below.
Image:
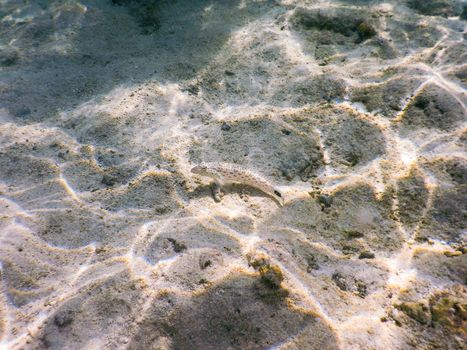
91	111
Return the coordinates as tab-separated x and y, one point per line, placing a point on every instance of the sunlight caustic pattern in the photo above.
354	109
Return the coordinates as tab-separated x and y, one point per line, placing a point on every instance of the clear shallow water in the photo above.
356	110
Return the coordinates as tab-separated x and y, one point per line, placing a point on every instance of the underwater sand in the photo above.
356	110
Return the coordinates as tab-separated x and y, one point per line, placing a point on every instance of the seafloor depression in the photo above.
356	110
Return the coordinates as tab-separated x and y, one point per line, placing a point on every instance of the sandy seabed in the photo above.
356	110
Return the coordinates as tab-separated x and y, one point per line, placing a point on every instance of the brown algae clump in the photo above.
271	277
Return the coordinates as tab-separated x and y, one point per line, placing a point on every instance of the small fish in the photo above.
225	173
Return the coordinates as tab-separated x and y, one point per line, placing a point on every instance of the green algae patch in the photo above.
365	30
417	311
449	311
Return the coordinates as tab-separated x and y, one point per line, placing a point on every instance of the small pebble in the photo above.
354	234
225	127
325	200
366	255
